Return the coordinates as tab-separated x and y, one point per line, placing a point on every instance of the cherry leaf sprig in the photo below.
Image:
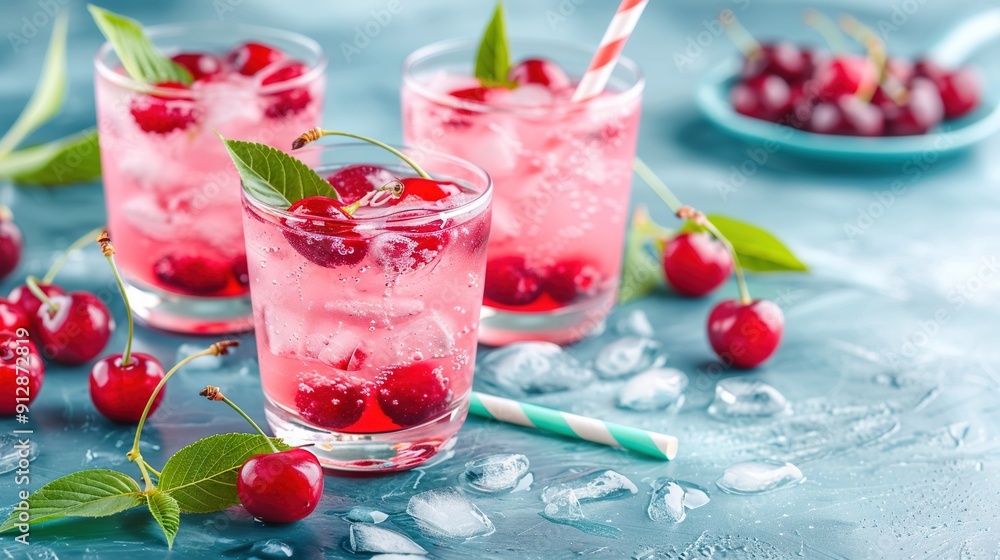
72	159
139	56
754	248
200	478
493	57
274	177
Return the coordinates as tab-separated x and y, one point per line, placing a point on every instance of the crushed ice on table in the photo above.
738	397
371	538
362	514
444	512
269	549
10	453
626	356
759	477
591	486
536	367
496	472
654	389
635	323
672	498
565	509
203	363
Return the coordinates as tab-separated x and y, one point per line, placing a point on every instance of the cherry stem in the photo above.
215	394
217	349
678	208
827	28
86	239
317	133
873	45
32	283
739	35
109	253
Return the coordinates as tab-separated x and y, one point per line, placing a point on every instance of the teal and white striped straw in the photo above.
649	443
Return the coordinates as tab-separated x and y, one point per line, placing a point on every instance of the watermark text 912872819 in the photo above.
22	396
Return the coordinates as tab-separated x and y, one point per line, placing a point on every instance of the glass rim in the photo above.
200	28
432	50
473	206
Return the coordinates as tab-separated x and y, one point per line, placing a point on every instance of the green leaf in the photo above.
49	93
202	476
758	250
167	513
493	58
138	54
91	493
642	272
74	159
274	177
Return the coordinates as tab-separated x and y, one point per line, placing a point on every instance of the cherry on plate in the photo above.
120	392
573	280
76	331
847	115
782	59
745	335
922	111
411	394
960	91
765	96
18	358
695	264
509	281
281	487
845	75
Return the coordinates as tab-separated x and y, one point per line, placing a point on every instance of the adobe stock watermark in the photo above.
912	171
563	11
960	295
695	44
900	14
30	26
364	34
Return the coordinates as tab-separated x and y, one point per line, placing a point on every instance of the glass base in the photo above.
498	327
383	452
188	314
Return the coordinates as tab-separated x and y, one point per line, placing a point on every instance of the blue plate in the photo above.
952	136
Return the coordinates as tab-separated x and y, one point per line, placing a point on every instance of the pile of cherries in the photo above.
161	113
848	94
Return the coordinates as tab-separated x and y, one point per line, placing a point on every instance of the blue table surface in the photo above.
890	356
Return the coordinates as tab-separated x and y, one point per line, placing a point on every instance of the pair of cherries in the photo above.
157	113
327	236
848	95
743	334
511	282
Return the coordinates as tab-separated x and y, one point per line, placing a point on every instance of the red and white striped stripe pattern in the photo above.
607	54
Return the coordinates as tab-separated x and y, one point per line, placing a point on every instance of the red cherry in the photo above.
539	71
22	297
280	487
509	281
13	317
202	66
241	271
479	94
11	243
745	335
355	181
250	58
960	91
76	331
18	358
901	69
329	241
765	97
928	69
695	264
120	392
922	111
161	114
411	394
193	275
847	115
291	101
333	401
782	59
845	75
573	280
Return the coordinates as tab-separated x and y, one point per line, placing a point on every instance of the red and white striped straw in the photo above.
607	54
